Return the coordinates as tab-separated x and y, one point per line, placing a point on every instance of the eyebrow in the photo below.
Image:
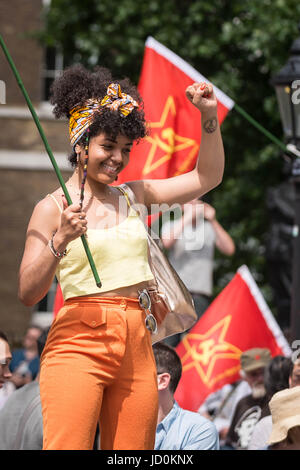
114	141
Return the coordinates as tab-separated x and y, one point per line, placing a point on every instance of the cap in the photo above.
255	358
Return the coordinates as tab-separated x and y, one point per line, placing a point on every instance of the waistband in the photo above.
122	302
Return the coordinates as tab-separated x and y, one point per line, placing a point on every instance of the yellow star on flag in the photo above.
204	350
168	141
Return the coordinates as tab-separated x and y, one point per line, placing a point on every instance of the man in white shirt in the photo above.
191	240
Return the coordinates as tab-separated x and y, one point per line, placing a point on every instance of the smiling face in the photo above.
107	157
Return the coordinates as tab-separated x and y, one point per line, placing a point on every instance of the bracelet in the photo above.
57	254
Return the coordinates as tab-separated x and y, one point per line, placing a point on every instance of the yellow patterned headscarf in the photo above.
82	116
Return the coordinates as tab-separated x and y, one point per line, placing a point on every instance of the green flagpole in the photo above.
264	131
49	151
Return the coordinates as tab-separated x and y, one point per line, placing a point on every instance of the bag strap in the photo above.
130	195
26	415
125	189
124	194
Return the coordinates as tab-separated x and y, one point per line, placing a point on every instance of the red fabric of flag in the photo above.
237	320
175	124
58	301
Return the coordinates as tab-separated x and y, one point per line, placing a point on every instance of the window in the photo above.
53	67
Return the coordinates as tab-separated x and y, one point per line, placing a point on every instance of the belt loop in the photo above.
123	304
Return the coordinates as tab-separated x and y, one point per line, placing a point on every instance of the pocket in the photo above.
93	315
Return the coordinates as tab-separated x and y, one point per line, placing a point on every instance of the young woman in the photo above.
98	361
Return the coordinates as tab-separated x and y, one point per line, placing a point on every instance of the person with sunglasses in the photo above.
6	386
98	362
5	360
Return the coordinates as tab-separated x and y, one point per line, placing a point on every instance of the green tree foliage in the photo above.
238	45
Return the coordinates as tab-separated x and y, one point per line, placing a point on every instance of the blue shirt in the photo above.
21	365
186	430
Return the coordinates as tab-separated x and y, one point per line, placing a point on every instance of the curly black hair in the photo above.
77	84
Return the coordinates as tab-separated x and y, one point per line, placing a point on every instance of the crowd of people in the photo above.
259	412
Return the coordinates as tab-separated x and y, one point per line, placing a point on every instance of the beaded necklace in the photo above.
86	148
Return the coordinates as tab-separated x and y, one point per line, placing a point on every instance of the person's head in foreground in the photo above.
285	411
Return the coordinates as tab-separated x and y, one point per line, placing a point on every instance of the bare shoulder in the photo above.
50	203
46	213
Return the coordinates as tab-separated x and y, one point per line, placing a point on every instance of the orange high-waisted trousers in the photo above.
98	366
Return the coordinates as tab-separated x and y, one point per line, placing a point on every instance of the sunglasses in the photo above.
145	303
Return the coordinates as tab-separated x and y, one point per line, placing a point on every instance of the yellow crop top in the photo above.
120	254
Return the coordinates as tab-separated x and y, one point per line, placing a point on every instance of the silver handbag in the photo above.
171	303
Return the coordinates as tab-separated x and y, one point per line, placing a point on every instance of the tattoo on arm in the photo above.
210	125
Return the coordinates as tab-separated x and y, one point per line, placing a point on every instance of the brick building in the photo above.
26	170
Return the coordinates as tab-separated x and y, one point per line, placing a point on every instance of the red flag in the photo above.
173	144
237	320
58	301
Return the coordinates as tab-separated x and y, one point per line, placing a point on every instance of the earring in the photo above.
77	161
